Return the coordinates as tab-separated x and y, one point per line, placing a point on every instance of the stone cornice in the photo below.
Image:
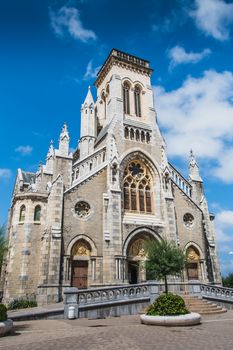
31	195
123	60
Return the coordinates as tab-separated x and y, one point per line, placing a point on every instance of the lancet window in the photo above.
137	100
137	188
126	102
37	213
22	213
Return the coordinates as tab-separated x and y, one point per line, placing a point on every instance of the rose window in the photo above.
188	220
82	209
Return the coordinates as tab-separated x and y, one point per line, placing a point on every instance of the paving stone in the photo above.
124	333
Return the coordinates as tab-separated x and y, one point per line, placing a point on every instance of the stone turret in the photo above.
88	126
50	159
195	179
64	140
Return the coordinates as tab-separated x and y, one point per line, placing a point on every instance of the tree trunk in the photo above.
166	286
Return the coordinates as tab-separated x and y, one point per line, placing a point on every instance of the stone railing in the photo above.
131	299
89	165
89	300
114	294
216	292
180	181
123	299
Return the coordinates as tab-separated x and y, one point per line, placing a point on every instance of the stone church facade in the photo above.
82	219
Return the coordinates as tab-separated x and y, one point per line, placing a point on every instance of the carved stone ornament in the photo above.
81	248
137	249
188	219
192	255
82	209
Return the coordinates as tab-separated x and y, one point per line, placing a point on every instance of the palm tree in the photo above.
164	258
3	245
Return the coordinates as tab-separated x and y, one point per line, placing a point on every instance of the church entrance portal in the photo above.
79	273
193	264
136	258
81	252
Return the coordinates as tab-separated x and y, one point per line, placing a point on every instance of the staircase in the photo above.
202	306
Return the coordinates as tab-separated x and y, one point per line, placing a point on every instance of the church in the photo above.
82	219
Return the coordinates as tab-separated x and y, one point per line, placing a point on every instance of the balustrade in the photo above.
218	292
86	166
180	181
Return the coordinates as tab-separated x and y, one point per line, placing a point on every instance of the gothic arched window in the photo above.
103	98
37	213
137	188
22	213
126	89
126	133
137	100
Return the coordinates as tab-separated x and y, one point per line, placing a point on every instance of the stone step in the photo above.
210	308
202	306
212	312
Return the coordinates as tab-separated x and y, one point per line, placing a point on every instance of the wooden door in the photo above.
192	271
79	273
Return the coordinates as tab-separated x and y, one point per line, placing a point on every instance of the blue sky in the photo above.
50	52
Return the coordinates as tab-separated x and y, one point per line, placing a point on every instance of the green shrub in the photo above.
3	313
228	280
22	303
168	304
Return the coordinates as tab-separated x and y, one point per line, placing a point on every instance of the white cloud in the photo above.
224	226
90	71
213	17
24	150
67	19
224	229
224	171
225	218
5	173
178	55
198	116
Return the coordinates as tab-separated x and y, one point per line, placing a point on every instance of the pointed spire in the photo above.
194	168
89	98
64	133
51	150
64	141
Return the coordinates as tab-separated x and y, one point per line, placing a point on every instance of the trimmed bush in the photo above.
21	303
3	313
168	304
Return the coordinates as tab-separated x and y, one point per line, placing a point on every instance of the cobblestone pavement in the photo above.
119	333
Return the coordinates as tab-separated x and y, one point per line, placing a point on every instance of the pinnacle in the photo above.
89	98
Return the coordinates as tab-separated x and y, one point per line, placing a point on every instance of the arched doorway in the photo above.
136	258
193	263
80	253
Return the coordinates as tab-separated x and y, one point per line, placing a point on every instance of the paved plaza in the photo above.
119	333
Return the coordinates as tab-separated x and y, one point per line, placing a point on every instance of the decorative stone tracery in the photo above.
137	184
137	250
188	220
82	209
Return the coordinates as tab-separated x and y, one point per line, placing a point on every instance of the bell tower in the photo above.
124	89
